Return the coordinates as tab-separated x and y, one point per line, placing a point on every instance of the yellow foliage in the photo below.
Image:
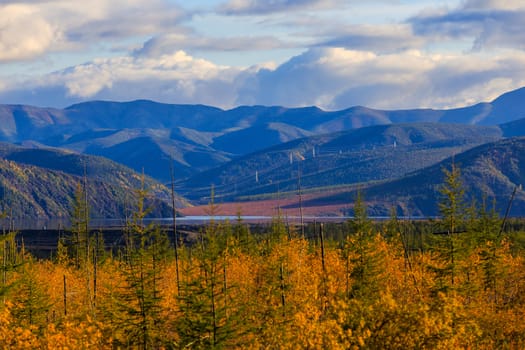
14	337
279	295
84	335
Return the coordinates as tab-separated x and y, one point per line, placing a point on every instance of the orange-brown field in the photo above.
312	206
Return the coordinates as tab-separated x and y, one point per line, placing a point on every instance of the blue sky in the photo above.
388	54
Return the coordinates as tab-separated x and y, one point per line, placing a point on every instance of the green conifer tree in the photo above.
208	318
80	240
449	243
147	248
31	303
364	257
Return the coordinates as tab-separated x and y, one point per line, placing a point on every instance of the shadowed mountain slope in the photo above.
151	150
253	139
489	172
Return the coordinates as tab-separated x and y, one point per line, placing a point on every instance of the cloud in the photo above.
174	78
175	70
332	78
493	4
33	28
258	7
24	33
166	43
114	20
335	78
339	61
320	76
488	24
376	38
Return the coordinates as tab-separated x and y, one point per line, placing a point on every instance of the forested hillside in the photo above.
359	156
490	173
39	184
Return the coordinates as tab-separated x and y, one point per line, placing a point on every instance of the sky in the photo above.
334	54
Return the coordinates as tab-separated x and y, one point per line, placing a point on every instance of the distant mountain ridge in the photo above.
198	137
27	122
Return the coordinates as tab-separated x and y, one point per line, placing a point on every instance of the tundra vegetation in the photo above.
457	282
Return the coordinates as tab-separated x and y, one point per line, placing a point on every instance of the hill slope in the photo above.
357	156
490	171
40	183
149	149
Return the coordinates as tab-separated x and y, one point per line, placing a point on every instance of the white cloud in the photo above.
175	78
338	78
24	33
33	28
332	78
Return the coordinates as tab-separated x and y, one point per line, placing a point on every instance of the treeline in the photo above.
389	285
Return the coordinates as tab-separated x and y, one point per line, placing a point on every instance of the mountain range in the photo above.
198	137
252	150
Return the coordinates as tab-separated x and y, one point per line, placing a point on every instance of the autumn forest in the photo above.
449	283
